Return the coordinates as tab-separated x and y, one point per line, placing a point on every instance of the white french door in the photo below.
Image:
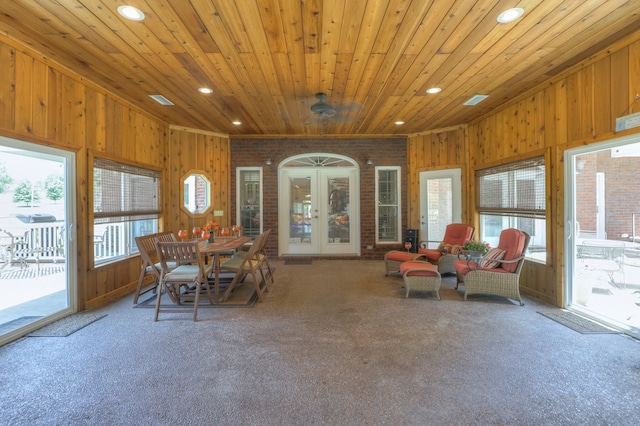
440	202
316	212
37	244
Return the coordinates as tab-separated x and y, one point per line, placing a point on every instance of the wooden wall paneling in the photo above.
601	78
548	117
7	86
622	97
40	73
562	116
579	119
634	81
23	88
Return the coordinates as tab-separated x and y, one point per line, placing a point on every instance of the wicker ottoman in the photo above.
393	260
420	276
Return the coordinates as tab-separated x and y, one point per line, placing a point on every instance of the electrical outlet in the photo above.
369	247
218	212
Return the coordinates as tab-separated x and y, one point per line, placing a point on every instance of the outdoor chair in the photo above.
446	254
191	273
261	255
250	263
150	266
498	272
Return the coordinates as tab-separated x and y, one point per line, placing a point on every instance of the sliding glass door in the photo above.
603	232
37	248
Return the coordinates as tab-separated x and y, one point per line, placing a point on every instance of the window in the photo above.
513	196
125	205
249	196
388	214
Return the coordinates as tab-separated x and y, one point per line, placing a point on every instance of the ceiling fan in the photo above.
321	108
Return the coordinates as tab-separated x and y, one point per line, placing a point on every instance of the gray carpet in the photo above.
333	343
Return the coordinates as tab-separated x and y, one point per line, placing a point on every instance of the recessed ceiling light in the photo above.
131	12
433	90
476	100
205	90
237	122
161	99
399	123
510	15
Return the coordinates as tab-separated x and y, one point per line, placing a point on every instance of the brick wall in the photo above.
383	152
622	193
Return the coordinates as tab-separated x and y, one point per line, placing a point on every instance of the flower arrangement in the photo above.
472	245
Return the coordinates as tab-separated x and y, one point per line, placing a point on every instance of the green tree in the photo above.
54	187
5	179
26	192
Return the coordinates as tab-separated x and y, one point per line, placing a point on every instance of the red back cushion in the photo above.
457	234
512	242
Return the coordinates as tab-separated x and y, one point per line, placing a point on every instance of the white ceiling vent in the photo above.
161	99
476	100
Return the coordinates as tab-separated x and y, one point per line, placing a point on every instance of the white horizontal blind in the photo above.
123	193
515	189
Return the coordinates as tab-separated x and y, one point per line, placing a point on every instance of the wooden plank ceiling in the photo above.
266	59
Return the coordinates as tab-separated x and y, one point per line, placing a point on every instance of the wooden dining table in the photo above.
214	249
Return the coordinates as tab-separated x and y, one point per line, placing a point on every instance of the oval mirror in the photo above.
196	193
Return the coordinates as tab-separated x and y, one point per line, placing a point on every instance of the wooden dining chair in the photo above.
248	263
150	266
191	273
261	256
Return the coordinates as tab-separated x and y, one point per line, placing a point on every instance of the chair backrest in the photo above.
457	233
147	249
166	237
515	243
187	252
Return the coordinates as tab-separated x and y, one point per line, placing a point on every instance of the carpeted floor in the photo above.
333	343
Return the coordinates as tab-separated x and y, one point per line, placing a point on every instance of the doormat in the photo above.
577	322
297	261
67	325
17	323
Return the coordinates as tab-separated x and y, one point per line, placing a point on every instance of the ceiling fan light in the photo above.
131	13
510	15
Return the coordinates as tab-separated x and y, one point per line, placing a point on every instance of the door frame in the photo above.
314	164
71	251
455	174
572	228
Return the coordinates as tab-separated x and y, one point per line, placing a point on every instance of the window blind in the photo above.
124	193
515	189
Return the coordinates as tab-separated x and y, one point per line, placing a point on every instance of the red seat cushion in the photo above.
423	269
401	256
512	242
432	254
462	268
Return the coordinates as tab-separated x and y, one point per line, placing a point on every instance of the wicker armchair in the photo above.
447	252
502	280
